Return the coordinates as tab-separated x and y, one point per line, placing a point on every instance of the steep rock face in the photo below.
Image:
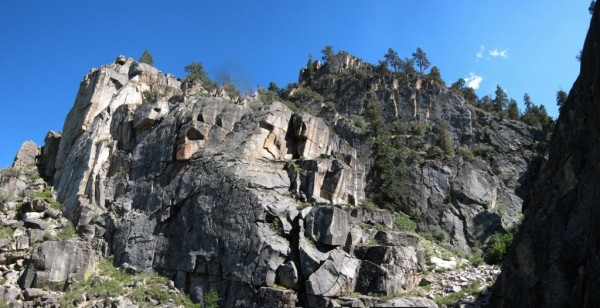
468	199
553	261
197	187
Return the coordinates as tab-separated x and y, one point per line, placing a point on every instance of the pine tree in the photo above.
146	57
196	72
445	142
512	111
393	59
421	60
327	53
561	99
386	171
501	100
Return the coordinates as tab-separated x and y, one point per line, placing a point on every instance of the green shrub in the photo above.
368	204
211	300
359	122
305	94
483	150
268	97
439	234
150	95
402	222
277	227
498	247
465	153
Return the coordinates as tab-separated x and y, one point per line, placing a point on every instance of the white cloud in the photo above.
499	53
479	54
473	81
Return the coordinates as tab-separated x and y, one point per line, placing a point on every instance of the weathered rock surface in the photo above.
553	261
56	265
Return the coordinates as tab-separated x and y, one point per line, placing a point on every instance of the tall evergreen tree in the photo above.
146	57
386	175
512	111
421	60
561	99
393	59
527	102
501	100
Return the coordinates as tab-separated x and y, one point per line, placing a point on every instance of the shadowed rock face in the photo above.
554	258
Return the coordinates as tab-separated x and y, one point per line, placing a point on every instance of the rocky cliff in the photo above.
258	202
464	198
554	258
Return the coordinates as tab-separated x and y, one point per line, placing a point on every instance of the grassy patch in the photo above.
483	150
46	194
450	299
6	232
143	289
402	222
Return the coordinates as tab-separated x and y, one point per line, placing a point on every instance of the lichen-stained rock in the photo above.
56	265
328	225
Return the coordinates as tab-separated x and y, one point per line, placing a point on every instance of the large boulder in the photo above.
57	265
329	225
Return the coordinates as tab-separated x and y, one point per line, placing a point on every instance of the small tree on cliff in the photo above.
146	57
561	99
195	71
327	53
421	60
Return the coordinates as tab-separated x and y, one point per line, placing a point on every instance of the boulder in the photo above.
335	277
56	265
328	225
287	275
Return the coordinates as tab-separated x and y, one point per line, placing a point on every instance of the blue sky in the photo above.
48	46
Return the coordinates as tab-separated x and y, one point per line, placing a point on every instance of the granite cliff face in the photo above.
260	203
202	189
554	258
464	198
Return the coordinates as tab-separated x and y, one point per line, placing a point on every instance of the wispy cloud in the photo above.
473	81
499	53
479	54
